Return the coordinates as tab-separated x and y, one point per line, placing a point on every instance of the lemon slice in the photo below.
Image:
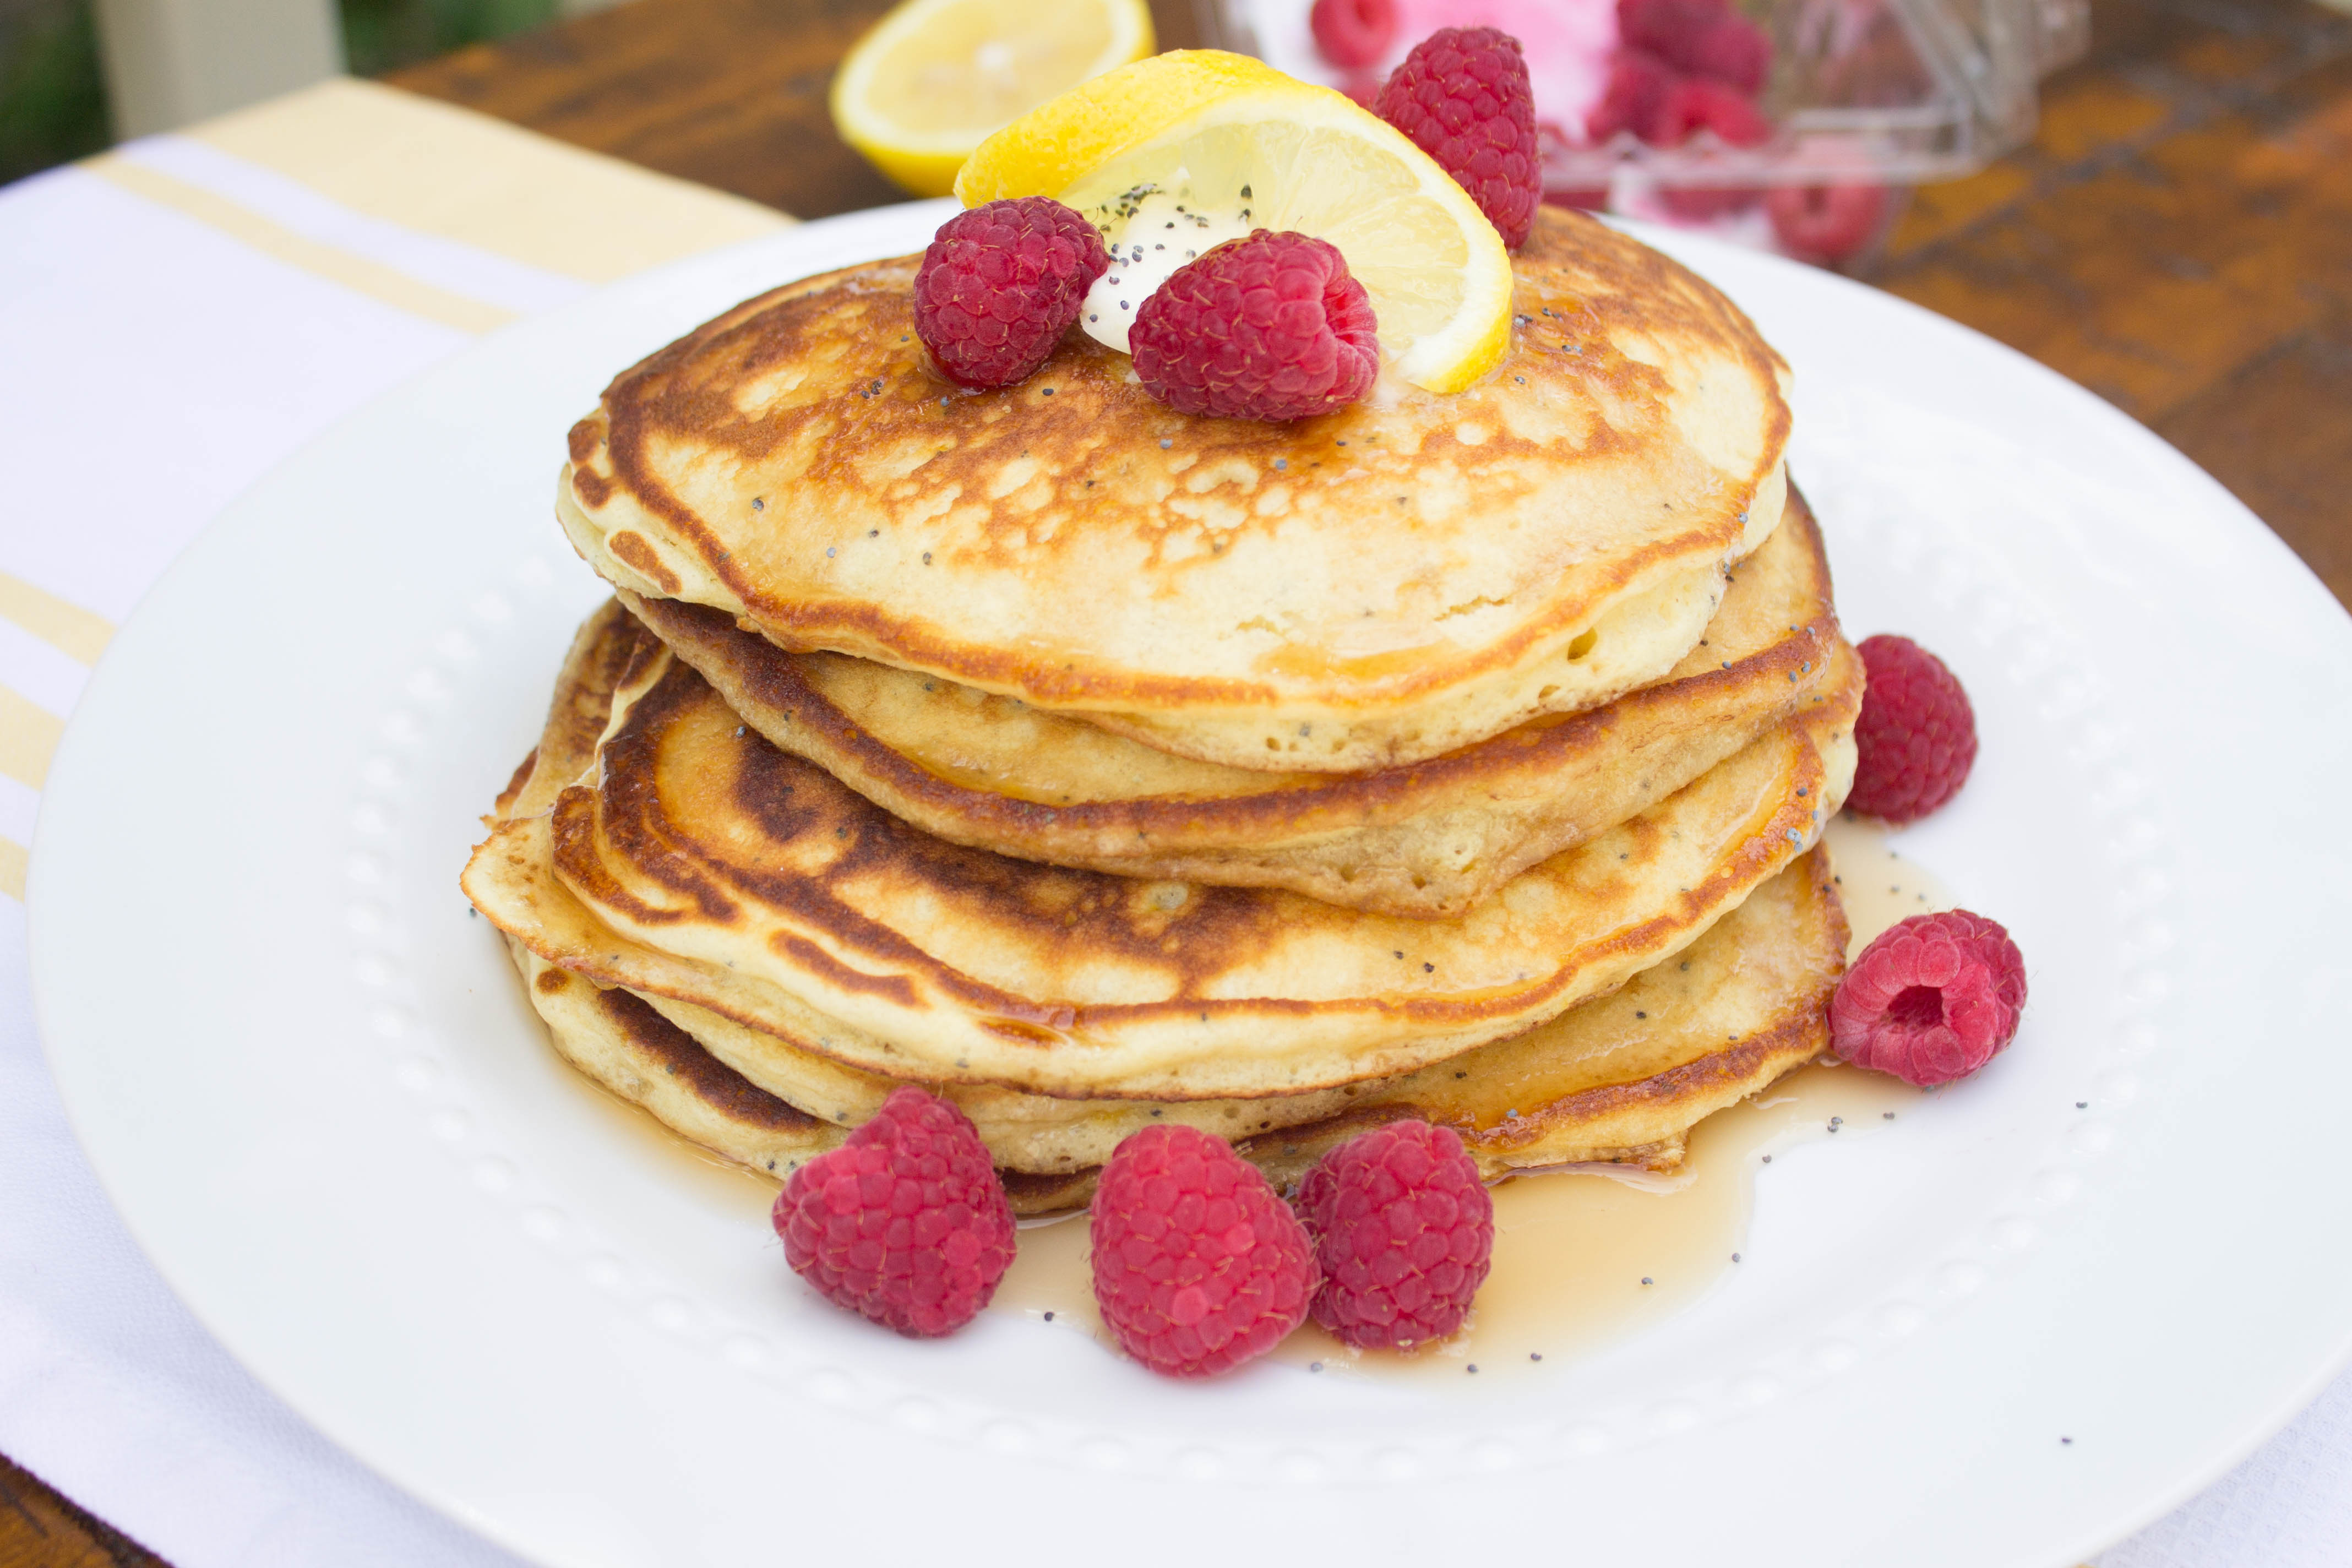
935	76
1224	134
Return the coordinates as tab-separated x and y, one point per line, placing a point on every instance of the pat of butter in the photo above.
1165	231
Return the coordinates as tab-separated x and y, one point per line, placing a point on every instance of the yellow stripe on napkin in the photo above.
28	738
13	857
446	170
356	273
79	633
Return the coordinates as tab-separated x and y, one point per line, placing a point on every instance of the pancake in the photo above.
1429	838
614	1037
749	882
1620	1079
1374	587
1761	976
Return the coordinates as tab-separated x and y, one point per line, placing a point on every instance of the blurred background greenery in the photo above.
53	94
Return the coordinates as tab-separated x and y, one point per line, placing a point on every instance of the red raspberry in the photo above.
1353	32
1638	82
1001	284
1271	327
1463	98
1733	51
1403	1230
1932	999
1695	104
1698	37
1916	733
1199	1265
1665	26
1826	224
1689	107
907	1223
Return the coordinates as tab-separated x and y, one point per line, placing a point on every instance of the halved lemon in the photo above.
1235	134
935	76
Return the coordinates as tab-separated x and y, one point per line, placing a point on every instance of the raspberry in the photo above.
1638	82
1826	224
1403	1230
1353	32
1695	104
1001	284
907	1223
1199	1265
1665	26
1689	107
1463	98
1932	999
1916	733
1271	327
1699	38
1733	51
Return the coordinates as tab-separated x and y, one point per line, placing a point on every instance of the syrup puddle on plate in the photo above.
1584	1255
1878	886
715	1181
1587	1256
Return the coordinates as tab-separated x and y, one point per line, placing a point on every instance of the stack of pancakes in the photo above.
1093	764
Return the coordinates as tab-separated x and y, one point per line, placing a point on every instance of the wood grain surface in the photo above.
2178	238
38	1529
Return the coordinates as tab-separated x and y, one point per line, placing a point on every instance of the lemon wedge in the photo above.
1230	139
935	76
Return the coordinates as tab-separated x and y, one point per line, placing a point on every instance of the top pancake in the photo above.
1393	581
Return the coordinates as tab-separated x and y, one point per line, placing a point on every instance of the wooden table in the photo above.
2178	238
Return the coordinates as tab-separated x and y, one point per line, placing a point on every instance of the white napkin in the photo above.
226	310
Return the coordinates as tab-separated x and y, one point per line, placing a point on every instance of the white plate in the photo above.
305	1075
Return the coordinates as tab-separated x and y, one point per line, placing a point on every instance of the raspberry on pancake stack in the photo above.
1095	762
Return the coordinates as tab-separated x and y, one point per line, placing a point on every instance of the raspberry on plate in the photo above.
1403	1230
1353	32
1198	1264
1270	327
1917	734
1001	284
1933	999
1463	96
907	1223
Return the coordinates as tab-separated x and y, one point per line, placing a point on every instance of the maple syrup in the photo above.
1587	1256
1878	886
1584	1255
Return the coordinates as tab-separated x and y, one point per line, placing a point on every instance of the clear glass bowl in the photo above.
1877	92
